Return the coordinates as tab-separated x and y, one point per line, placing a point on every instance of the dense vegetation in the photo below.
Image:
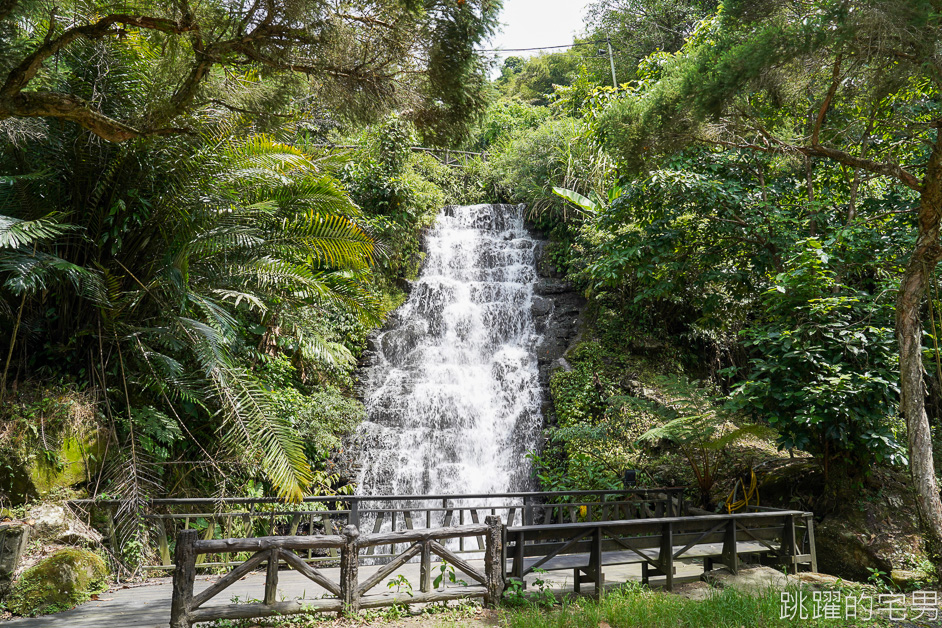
756	204
181	258
753	215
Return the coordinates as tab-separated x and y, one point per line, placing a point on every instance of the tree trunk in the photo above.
926	255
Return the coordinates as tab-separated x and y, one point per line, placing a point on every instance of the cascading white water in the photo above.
453	397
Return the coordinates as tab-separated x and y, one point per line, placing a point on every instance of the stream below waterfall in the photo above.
453	394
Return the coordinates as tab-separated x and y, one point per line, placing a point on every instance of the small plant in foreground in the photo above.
400	582
448	571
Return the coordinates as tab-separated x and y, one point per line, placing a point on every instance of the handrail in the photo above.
348	595
658	536
169	501
659	520
327	514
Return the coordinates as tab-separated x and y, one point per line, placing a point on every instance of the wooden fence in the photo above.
327	515
585	548
349	594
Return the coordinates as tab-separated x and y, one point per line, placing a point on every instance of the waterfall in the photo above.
452	393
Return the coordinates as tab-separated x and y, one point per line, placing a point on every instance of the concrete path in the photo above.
148	605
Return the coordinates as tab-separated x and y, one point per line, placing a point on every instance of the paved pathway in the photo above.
148	606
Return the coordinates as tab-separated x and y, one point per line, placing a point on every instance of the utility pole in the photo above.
611	59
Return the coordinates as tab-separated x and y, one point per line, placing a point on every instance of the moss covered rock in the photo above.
62	581
36	473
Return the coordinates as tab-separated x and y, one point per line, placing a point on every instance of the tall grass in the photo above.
635	606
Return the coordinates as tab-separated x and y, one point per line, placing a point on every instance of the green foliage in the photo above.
636	605
662	25
312	59
826	378
694	423
503	118
535	79
400	202
400	583
183	265
446	574
532	161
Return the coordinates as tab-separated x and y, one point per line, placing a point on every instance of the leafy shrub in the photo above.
824	371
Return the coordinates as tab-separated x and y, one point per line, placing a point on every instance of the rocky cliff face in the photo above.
557	311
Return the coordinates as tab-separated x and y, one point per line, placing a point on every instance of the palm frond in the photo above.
16	233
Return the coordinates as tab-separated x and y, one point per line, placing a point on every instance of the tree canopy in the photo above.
355	59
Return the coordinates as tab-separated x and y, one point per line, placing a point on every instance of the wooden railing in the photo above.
788	535
349	594
327	515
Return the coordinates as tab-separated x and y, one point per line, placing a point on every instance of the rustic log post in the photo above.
494	561
349	568
425	568
271	578
184	575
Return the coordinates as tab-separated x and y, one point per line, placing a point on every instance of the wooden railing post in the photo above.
493	561
667	556
425	569
730	553
271	578
789	545
809	539
595	562
349	570
184	575
354	516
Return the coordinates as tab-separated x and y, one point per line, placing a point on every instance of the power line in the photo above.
585	43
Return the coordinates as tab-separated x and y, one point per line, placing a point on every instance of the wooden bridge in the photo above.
515	533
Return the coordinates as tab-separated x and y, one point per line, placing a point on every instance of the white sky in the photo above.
532	23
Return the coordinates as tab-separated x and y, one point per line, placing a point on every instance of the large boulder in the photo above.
57	524
13	540
39	475
59	582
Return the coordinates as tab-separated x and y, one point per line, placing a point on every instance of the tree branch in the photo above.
887	169
21	75
78	110
369	21
882	168
835	81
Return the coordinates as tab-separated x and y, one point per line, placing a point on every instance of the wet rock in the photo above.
551	286
541	306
